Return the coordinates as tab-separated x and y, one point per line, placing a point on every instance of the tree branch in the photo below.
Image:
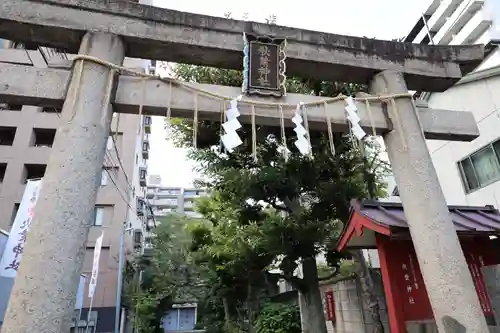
292	205
329	276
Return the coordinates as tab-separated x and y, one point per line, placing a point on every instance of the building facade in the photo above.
469	172
26	137
167	199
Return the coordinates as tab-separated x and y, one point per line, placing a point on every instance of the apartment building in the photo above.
26	137
167	199
469	172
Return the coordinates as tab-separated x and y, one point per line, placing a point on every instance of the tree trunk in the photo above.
227	311
365	278
368	289
311	305
250	306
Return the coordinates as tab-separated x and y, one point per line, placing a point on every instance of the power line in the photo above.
121	167
120	162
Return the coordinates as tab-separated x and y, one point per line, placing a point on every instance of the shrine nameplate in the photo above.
264	66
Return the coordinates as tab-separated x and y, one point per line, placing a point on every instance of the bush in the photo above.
279	318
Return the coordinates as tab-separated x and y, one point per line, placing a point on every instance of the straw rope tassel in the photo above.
283	134
195	120
329	128
395	114
370	116
254	135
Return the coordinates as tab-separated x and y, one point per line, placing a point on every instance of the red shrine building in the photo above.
382	226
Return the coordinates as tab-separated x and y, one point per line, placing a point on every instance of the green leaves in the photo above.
279	318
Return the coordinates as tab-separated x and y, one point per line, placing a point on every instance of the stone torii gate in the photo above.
44	292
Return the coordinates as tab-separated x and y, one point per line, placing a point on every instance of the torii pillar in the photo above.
446	275
44	302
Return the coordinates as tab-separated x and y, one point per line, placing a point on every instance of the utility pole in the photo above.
119	280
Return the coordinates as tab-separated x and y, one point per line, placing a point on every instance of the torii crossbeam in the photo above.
47	87
44	292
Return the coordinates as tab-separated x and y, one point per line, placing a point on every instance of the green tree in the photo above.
236	254
312	195
169	274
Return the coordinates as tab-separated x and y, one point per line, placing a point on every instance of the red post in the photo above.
396	315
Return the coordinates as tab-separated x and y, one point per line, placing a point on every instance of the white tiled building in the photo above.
469	172
169	199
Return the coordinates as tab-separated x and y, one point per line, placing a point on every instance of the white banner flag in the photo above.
95	265
17	237
80	293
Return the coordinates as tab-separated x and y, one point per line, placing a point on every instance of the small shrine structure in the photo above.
383	226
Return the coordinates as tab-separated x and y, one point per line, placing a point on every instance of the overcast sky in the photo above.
382	19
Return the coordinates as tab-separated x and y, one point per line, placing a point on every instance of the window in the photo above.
33	171
104	177
43	137
109	144
7	135
142	174
98	216
14	213
10	107
481	168
395	192
51	110
3	169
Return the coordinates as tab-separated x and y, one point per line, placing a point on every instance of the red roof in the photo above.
388	218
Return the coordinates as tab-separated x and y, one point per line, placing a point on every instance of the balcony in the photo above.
188	205
145	147
457	21
147	124
169	191
473	29
193	193
166	203
143	175
148	250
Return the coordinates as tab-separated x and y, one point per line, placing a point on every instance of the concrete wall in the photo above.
352	314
